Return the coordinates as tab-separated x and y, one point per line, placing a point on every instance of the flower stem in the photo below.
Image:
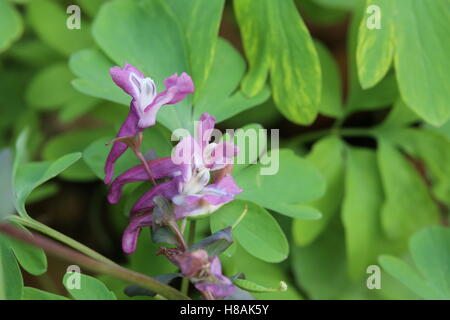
138	153
58	250
185	281
36	225
176	229
147	168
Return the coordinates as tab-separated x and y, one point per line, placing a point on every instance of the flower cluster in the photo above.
196	180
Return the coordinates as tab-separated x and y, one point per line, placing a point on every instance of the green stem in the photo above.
33	224
185	281
58	250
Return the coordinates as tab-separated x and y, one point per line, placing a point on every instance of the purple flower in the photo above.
188	185
205	272
217	284
192	263
209	198
144	105
131	233
197	158
161	168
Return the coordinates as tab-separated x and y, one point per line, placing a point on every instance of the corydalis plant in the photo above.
195	181
144	105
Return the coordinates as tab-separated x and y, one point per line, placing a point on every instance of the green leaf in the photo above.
42	192
48	20
433	149
20	152
91	67
11	27
361	211
316	13
33	174
408	204
373	65
33	52
400	115
91	7
31	258
444	129
280	190
200	21
408	276
72	141
331	99
11	282
51	88
30	293
120	29
380	96
338	4
258	232
220	95
276	41
430	249
420	60
258	271
249	152
327	155
254	287
320	267
90	288
6	188
79	105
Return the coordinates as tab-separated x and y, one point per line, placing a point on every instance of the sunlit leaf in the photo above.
420	60
196	15
276	41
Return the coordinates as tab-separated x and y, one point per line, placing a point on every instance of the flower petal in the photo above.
187	154
130	236
129	128
167	189
221	192
204	129
191	263
127	78
160	168
222	287
222	155
176	90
